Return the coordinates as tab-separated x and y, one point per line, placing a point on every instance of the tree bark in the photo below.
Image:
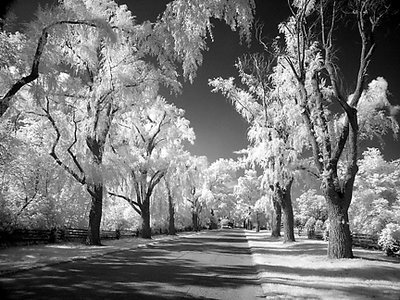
195	221
146	228
340	242
96	206
258	222
276	219
288	220
171	225
95	189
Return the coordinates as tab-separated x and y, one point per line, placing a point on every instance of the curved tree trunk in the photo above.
276	219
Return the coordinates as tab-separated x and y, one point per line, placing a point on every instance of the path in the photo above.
210	265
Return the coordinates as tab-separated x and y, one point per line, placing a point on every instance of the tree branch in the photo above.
135	205
81	179
5	101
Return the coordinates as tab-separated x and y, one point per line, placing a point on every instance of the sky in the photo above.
219	129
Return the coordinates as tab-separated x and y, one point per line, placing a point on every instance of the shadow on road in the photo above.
166	270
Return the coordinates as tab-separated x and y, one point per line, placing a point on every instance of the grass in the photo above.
301	270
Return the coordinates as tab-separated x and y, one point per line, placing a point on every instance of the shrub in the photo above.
389	239
310	227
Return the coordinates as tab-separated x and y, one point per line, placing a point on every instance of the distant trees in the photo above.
272	125
194	180
248	191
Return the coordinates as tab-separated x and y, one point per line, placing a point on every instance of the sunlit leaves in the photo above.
188	22
376	194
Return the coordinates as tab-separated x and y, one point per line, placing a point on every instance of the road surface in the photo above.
209	265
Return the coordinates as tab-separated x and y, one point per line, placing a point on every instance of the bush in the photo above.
310	227
389	239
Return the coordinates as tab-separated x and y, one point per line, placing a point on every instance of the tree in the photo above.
90	61
149	141
220	177
376	194
248	190
272	123
308	76
194	183
310	204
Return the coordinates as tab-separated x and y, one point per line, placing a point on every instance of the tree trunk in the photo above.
287	208
276	219
146	228
96	192
340	242
171	227
95	189
195	221
258	222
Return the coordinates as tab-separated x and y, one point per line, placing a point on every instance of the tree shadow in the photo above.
304	270
165	270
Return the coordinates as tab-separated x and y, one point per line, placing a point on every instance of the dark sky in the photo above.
219	129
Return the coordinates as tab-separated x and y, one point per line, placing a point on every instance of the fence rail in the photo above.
38	236
365	240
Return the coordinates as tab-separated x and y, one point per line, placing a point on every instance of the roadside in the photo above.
301	270
22	258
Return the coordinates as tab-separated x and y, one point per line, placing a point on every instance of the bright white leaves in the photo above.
376	199
305	5
154	131
148	140
375	113
276	133
188	22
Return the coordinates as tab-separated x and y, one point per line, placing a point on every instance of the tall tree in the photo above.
272	123
150	140
91	61
220	179
249	190
195	187
307	75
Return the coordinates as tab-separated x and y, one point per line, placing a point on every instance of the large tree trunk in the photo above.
276	219
288	220
340	242
171	225
95	189
146	228
96	206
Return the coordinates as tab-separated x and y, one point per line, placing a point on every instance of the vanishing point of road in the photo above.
208	265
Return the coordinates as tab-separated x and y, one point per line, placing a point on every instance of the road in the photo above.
208	265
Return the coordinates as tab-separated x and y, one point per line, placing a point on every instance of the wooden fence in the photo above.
366	241
38	236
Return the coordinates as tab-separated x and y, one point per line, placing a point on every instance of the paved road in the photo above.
209	265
